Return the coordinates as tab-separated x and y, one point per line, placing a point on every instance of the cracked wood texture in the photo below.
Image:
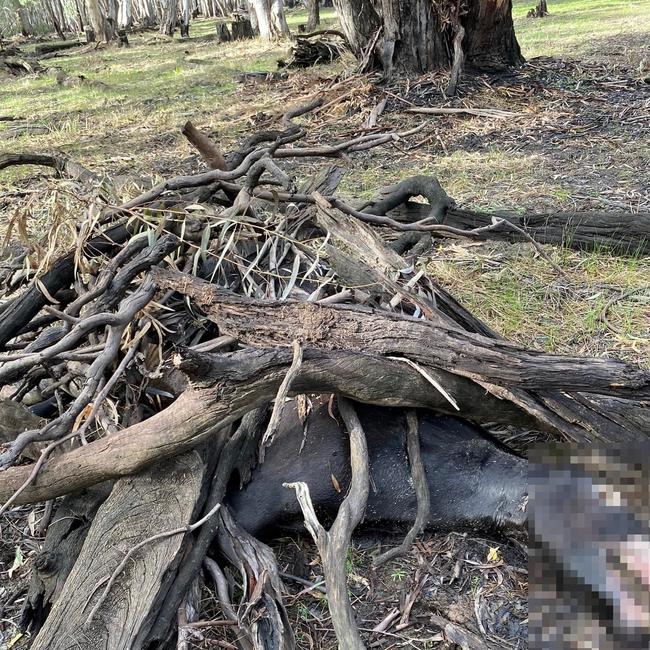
273	323
622	233
158	500
235	383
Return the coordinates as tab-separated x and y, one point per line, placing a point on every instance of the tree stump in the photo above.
241	29
223	35
122	39
90	35
539	11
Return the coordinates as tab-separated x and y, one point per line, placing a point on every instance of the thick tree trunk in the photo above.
418	35
169	16
157	501
359	21
124	19
56	23
415	37
99	22
490	41
314	15
263	16
252	15
279	24
81	15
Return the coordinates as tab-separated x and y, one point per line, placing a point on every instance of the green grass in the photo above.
573	27
137	94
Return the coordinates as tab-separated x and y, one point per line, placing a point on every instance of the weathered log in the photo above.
63	166
259	322
62	546
242	381
19	65
622	233
46	48
156	501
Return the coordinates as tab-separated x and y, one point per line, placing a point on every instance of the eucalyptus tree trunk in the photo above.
185	19
22	17
490	41
278	21
417	36
169	14
314	15
103	27
81	15
124	15
252	14
360	21
56	22
263	15
111	19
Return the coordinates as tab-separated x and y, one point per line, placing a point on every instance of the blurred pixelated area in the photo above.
589	519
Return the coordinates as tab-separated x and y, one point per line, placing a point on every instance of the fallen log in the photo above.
242	381
259	322
59	552
622	233
157	501
47	48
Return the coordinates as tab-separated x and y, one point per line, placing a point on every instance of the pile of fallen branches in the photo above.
16	63
318	47
151	353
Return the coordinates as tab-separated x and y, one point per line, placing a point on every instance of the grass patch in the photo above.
573	27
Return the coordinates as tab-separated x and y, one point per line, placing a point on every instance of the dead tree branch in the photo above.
421	488
333	544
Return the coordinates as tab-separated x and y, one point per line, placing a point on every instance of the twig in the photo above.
479	112
421	487
280	399
311	586
530	238
120	567
612	301
333	544
129	307
436	384
221	584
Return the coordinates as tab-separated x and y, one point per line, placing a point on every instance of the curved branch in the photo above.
243	381
63	166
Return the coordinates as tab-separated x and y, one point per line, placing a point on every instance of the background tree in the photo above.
22	16
271	21
314	15
169	16
103	25
417	36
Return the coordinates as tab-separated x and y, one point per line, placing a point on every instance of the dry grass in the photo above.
129	125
